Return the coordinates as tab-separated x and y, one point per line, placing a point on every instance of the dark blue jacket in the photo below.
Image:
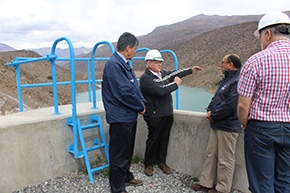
121	95
225	102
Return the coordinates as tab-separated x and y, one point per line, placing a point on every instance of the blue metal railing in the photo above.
52	58
93	68
16	64
54	85
88	72
91	88
58	83
176	68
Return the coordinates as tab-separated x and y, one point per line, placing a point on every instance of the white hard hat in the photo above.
153	55
272	18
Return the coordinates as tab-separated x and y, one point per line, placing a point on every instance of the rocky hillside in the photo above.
170	36
208	49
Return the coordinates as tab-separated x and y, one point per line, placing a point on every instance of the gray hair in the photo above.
125	40
279	30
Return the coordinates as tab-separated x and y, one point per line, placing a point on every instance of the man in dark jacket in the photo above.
122	100
156	86
226	127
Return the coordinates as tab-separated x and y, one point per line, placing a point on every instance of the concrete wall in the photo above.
33	146
188	141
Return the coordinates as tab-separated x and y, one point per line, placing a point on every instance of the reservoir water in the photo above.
192	99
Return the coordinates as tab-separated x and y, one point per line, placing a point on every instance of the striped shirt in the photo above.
265	78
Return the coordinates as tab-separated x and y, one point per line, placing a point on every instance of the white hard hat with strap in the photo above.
153	55
272	18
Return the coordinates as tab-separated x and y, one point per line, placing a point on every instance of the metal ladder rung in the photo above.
100	168
95	121
84	127
95	147
71	150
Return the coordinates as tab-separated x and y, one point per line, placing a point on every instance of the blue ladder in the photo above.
95	121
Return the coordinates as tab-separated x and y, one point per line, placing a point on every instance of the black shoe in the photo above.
134	182
165	168
198	187
148	170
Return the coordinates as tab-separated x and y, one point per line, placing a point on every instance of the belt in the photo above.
268	121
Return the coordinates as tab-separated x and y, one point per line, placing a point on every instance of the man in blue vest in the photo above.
123	101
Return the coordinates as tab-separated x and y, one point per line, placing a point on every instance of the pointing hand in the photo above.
196	68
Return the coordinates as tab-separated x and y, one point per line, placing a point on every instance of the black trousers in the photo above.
121	146
158	138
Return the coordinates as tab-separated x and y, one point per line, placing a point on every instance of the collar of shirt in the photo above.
156	74
123	57
277	42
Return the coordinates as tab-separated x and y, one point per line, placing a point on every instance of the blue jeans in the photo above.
267	155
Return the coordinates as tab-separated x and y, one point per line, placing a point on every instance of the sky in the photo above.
27	24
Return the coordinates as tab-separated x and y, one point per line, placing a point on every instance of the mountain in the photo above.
201	40
170	36
6	48
208	49
62	53
80	66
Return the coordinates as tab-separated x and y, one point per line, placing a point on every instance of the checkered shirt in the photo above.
265	78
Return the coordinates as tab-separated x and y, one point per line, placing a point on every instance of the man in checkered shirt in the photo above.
264	107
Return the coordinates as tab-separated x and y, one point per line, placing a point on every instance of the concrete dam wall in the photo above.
33	146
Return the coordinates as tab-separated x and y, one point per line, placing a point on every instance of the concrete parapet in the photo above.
33	146
188	141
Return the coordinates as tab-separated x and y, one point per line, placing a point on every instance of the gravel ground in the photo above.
79	183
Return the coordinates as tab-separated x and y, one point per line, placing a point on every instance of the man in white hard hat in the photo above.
156	86
264	107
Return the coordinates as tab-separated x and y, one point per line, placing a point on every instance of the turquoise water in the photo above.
192	99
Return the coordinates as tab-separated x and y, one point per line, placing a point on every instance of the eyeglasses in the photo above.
224	62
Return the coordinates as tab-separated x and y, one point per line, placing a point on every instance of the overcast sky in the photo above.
38	23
